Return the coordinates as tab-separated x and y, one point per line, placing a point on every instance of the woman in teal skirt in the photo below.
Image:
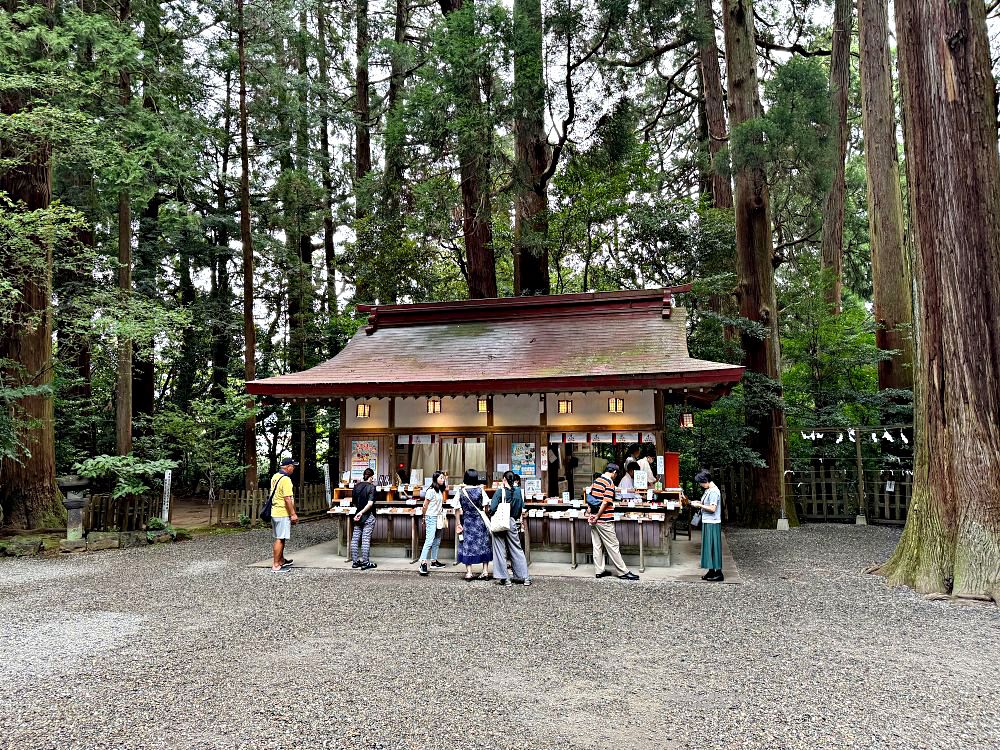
711	527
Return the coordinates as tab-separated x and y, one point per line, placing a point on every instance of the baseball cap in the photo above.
289	462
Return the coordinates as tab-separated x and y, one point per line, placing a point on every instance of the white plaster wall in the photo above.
379	416
516	411
456	412
591	409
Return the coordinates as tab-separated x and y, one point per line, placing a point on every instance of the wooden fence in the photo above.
104	513
830	494
233	504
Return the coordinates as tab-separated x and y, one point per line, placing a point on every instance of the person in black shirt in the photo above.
363	500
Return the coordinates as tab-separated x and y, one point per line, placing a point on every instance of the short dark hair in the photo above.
612	468
633	448
471	477
368	473
651	451
630	466
512	479
703	476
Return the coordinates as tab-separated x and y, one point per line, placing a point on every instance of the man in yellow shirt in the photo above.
282	513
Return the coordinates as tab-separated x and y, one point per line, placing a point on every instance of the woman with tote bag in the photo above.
508	543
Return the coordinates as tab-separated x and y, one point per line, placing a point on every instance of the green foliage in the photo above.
128	474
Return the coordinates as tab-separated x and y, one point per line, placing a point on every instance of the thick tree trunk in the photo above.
222	293
246	239
952	539
715	113
329	251
531	154
473	158
28	495
832	243
755	272
891	273
123	395
147	257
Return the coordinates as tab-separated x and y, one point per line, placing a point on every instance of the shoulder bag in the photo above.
500	521
442	517
265	510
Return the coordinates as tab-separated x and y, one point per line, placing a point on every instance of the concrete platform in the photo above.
686	555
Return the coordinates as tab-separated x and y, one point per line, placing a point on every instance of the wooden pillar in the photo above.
302	446
344	459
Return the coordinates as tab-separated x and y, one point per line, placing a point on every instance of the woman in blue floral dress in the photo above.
476	546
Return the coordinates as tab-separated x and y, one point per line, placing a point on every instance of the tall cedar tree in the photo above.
951	543
832	243
473	159
891	273
715	111
531	154
755	268
123	396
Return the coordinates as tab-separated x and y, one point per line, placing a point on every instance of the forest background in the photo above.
197	193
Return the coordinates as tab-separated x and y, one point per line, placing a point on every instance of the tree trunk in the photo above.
715	113
329	251
832	243
891	273
364	291
123	399
473	159
147	257
755	273
951	543
28	495
531	154
246	239
222	293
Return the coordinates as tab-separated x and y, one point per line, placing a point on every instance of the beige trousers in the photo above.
604	539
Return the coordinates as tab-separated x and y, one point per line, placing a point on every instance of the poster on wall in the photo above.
522	459
649	437
626	437
601	437
364	455
577	437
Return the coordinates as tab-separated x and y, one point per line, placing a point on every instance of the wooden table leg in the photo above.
572	542
642	550
347	538
413	539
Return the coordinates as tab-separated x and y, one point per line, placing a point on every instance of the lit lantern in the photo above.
616	405
687	421
482	406
364	411
565	406
433	406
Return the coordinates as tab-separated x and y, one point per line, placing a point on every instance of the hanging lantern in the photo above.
482	406
687	421
433	406
364	411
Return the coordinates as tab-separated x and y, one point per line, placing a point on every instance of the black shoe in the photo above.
630	576
708	576
719	578
435	564
368	565
355	565
285	563
605	574
422	570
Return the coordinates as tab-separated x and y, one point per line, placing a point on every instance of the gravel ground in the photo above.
184	646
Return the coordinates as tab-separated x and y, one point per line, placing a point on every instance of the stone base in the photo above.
99	544
783	524
861	521
73	545
24	547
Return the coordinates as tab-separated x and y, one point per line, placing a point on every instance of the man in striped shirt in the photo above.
602	525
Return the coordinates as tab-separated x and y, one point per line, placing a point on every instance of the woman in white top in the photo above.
710	506
434	522
627	485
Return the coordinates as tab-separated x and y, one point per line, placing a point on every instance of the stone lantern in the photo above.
73	488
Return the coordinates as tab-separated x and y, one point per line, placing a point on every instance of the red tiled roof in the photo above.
573	342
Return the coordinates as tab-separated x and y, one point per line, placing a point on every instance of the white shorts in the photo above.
282	527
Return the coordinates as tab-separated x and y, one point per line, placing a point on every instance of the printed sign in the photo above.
601	437
532	487
522	458
659	466
577	437
364	455
165	510
641	479
626	437
421	439
402	439
649	437
417	476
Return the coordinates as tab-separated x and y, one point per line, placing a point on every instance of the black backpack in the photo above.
265	510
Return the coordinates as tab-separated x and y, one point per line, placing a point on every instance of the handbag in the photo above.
265	510
500	521
696	520
442	522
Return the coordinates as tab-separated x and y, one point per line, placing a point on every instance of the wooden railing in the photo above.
104	513
830	494
234	504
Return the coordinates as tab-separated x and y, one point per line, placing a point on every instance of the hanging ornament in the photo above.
902	436
850	434
887	436
840	438
804	436
874	438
